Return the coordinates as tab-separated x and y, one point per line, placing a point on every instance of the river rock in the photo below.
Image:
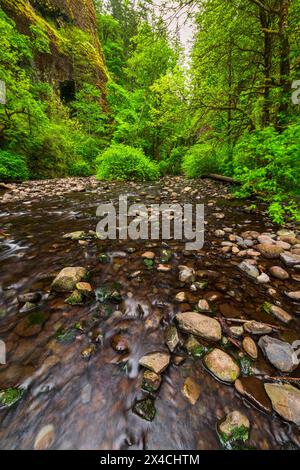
237	331
67	279
289	259
148	255
279	273
222	365
181	297
84	288
186	274
171	337
286	233
269	250
263	278
233	422
119	343
191	390
199	325
257	328
294	295
145	409
253	390
44	438
193	347
79	235
250	347
249	269
281	314
203	306
156	361
279	353
285	400
151	381
32	297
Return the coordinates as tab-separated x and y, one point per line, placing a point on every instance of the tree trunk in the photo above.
285	66
267	54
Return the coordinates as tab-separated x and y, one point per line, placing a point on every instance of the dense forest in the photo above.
133	106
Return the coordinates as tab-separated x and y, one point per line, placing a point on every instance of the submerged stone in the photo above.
151	381
191	390
145	409
171	337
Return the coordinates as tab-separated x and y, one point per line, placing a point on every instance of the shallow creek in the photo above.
88	402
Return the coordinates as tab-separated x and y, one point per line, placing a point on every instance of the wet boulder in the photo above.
67	279
285	401
221	365
280	354
155	361
199	325
249	269
233	423
290	259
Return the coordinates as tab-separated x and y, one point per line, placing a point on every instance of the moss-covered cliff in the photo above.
68	45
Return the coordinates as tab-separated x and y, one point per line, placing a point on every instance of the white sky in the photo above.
176	18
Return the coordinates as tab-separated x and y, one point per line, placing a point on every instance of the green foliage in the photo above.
12	167
10	396
200	160
121	162
268	164
171	165
80	168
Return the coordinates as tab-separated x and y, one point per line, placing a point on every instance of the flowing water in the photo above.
89	402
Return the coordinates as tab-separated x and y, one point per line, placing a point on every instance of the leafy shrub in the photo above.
121	162
171	165
268	164
200	160
12	167
80	168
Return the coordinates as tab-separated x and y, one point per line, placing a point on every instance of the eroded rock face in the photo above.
199	325
58	19
285	400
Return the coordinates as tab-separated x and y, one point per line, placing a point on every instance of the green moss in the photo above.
149	263
246	365
76	298
10	396
266	307
65	335
236	439
107	294
37	318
